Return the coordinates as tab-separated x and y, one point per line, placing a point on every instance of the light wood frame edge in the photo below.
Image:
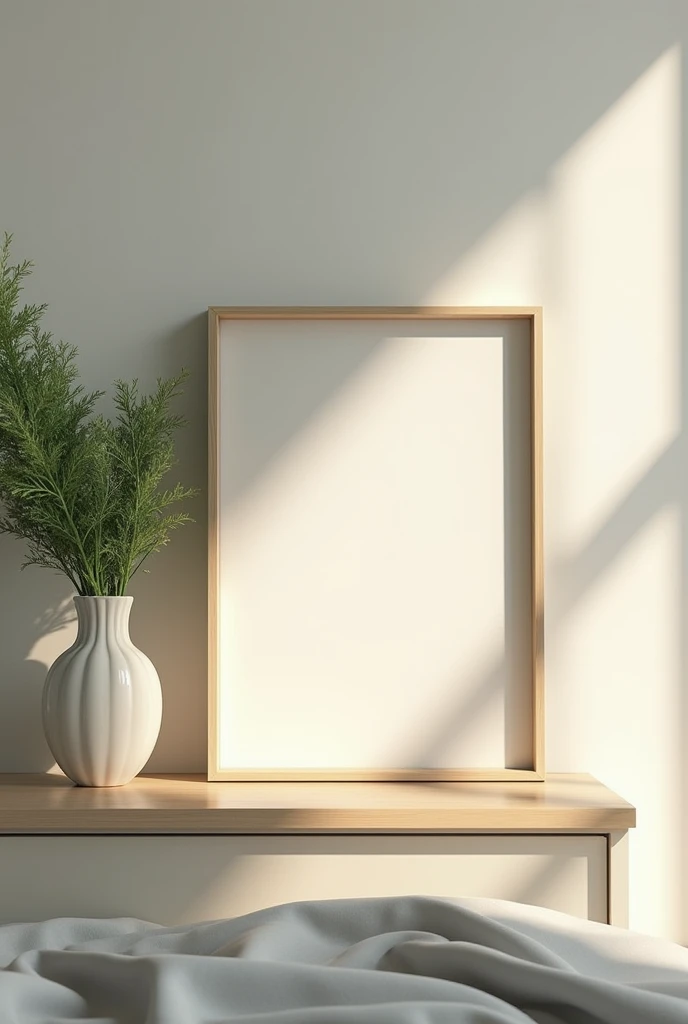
532	313
537	544
213	543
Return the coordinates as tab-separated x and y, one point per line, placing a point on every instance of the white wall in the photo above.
158	156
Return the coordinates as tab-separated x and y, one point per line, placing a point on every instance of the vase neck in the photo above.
102	614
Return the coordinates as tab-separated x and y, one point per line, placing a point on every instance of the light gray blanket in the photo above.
382	961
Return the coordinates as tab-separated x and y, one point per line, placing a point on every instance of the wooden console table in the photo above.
176	849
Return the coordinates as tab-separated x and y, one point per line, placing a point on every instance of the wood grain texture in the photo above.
535	770
188	804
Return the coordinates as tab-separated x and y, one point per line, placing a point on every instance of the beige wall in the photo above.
158	156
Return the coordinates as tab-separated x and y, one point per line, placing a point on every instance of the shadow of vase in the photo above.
37	622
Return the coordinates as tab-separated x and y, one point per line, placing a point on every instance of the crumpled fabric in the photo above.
409	960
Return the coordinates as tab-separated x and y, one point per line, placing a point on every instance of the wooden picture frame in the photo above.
531	767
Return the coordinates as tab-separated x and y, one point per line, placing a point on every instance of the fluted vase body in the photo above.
102	702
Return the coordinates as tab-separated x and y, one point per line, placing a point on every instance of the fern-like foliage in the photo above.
82	491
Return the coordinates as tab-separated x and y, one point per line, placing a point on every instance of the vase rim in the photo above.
98	597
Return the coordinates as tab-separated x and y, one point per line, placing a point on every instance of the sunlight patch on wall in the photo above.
504	267
614	236
612	415
597	244
618	662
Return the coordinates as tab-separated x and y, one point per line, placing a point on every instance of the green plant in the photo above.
83	491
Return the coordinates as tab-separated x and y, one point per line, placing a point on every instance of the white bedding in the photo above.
383	961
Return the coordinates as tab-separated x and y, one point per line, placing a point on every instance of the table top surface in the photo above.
50	803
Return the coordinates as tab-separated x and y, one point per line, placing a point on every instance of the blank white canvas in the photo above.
374	541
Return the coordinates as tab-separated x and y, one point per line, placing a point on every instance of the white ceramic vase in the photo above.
102	702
